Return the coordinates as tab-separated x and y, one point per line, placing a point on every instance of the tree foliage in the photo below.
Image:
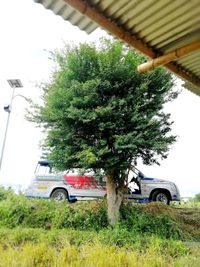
101	113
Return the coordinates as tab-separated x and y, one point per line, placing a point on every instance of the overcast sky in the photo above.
27	32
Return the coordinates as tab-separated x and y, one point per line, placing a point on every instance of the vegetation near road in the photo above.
101	114
197	198
35	232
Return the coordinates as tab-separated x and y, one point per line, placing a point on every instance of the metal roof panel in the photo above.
163	26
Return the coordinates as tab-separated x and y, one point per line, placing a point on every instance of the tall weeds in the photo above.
43	233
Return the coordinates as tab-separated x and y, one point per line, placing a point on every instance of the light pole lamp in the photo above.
14	83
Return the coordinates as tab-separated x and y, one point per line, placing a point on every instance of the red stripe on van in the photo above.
81	182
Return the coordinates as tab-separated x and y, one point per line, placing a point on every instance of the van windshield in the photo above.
43	167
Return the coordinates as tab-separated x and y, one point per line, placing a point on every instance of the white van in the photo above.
85	187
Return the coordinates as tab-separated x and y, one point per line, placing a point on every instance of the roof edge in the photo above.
84	8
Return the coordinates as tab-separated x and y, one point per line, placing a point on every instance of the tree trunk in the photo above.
114	200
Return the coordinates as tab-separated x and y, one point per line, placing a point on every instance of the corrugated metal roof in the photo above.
162	26
59	7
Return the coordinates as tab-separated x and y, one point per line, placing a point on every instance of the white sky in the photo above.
27	32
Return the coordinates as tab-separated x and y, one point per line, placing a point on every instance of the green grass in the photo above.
39	247
36	232
16	210
189	204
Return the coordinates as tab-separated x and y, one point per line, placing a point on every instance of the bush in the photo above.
48	214
153	218
143	220
91	215
5	193
197	198
17	210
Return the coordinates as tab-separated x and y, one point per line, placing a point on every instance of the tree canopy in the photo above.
100	113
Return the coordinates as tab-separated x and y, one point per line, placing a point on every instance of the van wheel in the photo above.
161	197
59	195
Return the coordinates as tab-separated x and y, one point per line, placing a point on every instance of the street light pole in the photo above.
15	83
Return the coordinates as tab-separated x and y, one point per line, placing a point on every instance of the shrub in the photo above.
197	197
5	193
40	213
90	216
154	218
137	218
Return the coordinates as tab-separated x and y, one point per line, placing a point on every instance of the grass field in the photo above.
42	233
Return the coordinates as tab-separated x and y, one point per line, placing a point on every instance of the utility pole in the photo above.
14	83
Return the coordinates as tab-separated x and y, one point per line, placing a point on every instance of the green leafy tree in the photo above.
100	113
